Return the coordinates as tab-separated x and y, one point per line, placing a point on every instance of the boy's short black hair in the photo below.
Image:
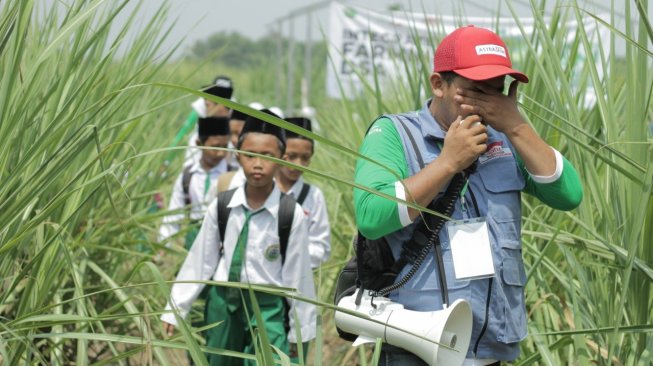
253	124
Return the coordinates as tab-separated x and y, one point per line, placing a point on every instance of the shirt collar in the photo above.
200	107
430	127
296	188
220	167
271	204
196	167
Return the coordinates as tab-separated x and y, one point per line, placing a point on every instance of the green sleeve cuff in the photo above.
565	193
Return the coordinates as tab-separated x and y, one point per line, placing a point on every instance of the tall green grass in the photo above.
78	173
590	270
82	141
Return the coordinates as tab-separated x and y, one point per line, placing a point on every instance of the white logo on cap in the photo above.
490	49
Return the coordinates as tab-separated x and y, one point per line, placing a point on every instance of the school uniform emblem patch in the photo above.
494	150
272	252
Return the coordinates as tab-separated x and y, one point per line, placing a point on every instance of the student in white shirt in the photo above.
235	177
299	150
195	186
222	87
251	234
236	123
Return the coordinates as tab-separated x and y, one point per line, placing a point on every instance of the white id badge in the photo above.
470	248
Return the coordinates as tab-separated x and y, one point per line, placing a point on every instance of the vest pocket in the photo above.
502	175
506	230
513	280
503	201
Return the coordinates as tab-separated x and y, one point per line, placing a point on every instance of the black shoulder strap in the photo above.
418	155
185	183
223	210
303	193
286	215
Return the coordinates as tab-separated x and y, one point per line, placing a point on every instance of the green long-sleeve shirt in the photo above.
377	216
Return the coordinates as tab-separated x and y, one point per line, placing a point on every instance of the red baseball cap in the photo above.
476	54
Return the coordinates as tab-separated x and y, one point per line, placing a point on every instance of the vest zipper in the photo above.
487	315
489	289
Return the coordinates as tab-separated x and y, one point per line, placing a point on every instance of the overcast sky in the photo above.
197	19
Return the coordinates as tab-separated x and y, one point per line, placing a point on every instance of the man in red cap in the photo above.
470	130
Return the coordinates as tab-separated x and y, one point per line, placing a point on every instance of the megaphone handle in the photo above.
442	277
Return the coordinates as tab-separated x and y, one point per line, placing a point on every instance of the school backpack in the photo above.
186	175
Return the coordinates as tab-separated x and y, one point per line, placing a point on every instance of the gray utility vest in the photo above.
494	192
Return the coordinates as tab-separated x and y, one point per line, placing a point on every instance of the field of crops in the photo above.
85	132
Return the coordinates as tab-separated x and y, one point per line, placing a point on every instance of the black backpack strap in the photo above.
223	210
303	194
286	215
185	183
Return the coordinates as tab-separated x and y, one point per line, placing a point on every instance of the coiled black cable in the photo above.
446	206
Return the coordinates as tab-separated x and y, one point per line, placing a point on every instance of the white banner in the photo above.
363	42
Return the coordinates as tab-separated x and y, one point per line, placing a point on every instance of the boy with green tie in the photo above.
251	250
195	186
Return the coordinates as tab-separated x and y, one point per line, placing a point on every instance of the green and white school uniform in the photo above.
212	258
201	191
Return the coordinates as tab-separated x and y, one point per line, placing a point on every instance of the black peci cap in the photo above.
211	126
302	122
222	87
253	124
236	114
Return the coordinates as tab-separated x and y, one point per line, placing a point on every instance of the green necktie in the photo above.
233	294
207	183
